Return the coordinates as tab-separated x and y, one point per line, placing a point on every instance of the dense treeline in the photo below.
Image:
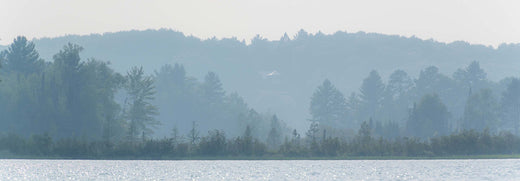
66	97
72	97
431	105
72	107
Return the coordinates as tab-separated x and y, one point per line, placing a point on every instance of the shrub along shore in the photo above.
215	146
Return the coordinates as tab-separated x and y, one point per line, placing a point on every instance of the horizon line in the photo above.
248	42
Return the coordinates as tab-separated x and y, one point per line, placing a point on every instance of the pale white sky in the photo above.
490	22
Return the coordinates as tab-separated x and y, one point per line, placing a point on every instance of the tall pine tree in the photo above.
372	91
140	112
328	105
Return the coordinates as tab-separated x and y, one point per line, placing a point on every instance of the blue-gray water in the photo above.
500	169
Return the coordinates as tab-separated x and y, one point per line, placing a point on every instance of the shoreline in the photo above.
245	158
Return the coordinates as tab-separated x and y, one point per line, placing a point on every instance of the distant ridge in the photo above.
167	45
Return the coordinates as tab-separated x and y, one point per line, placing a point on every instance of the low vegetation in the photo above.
215	145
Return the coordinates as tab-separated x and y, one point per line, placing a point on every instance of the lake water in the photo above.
489	169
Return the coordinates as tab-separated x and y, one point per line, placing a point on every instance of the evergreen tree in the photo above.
212	89
511	105
21	57
429	118
481	111
176	98
22	84
399	85
140	112
275	134
65	91
430	81
328	106
67	66
397	96
212	102
472	76
372	91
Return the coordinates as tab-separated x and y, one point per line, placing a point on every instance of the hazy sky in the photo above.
486	22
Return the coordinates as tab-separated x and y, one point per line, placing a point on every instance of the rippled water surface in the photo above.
500	169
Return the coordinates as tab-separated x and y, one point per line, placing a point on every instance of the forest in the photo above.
82	108
280	75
